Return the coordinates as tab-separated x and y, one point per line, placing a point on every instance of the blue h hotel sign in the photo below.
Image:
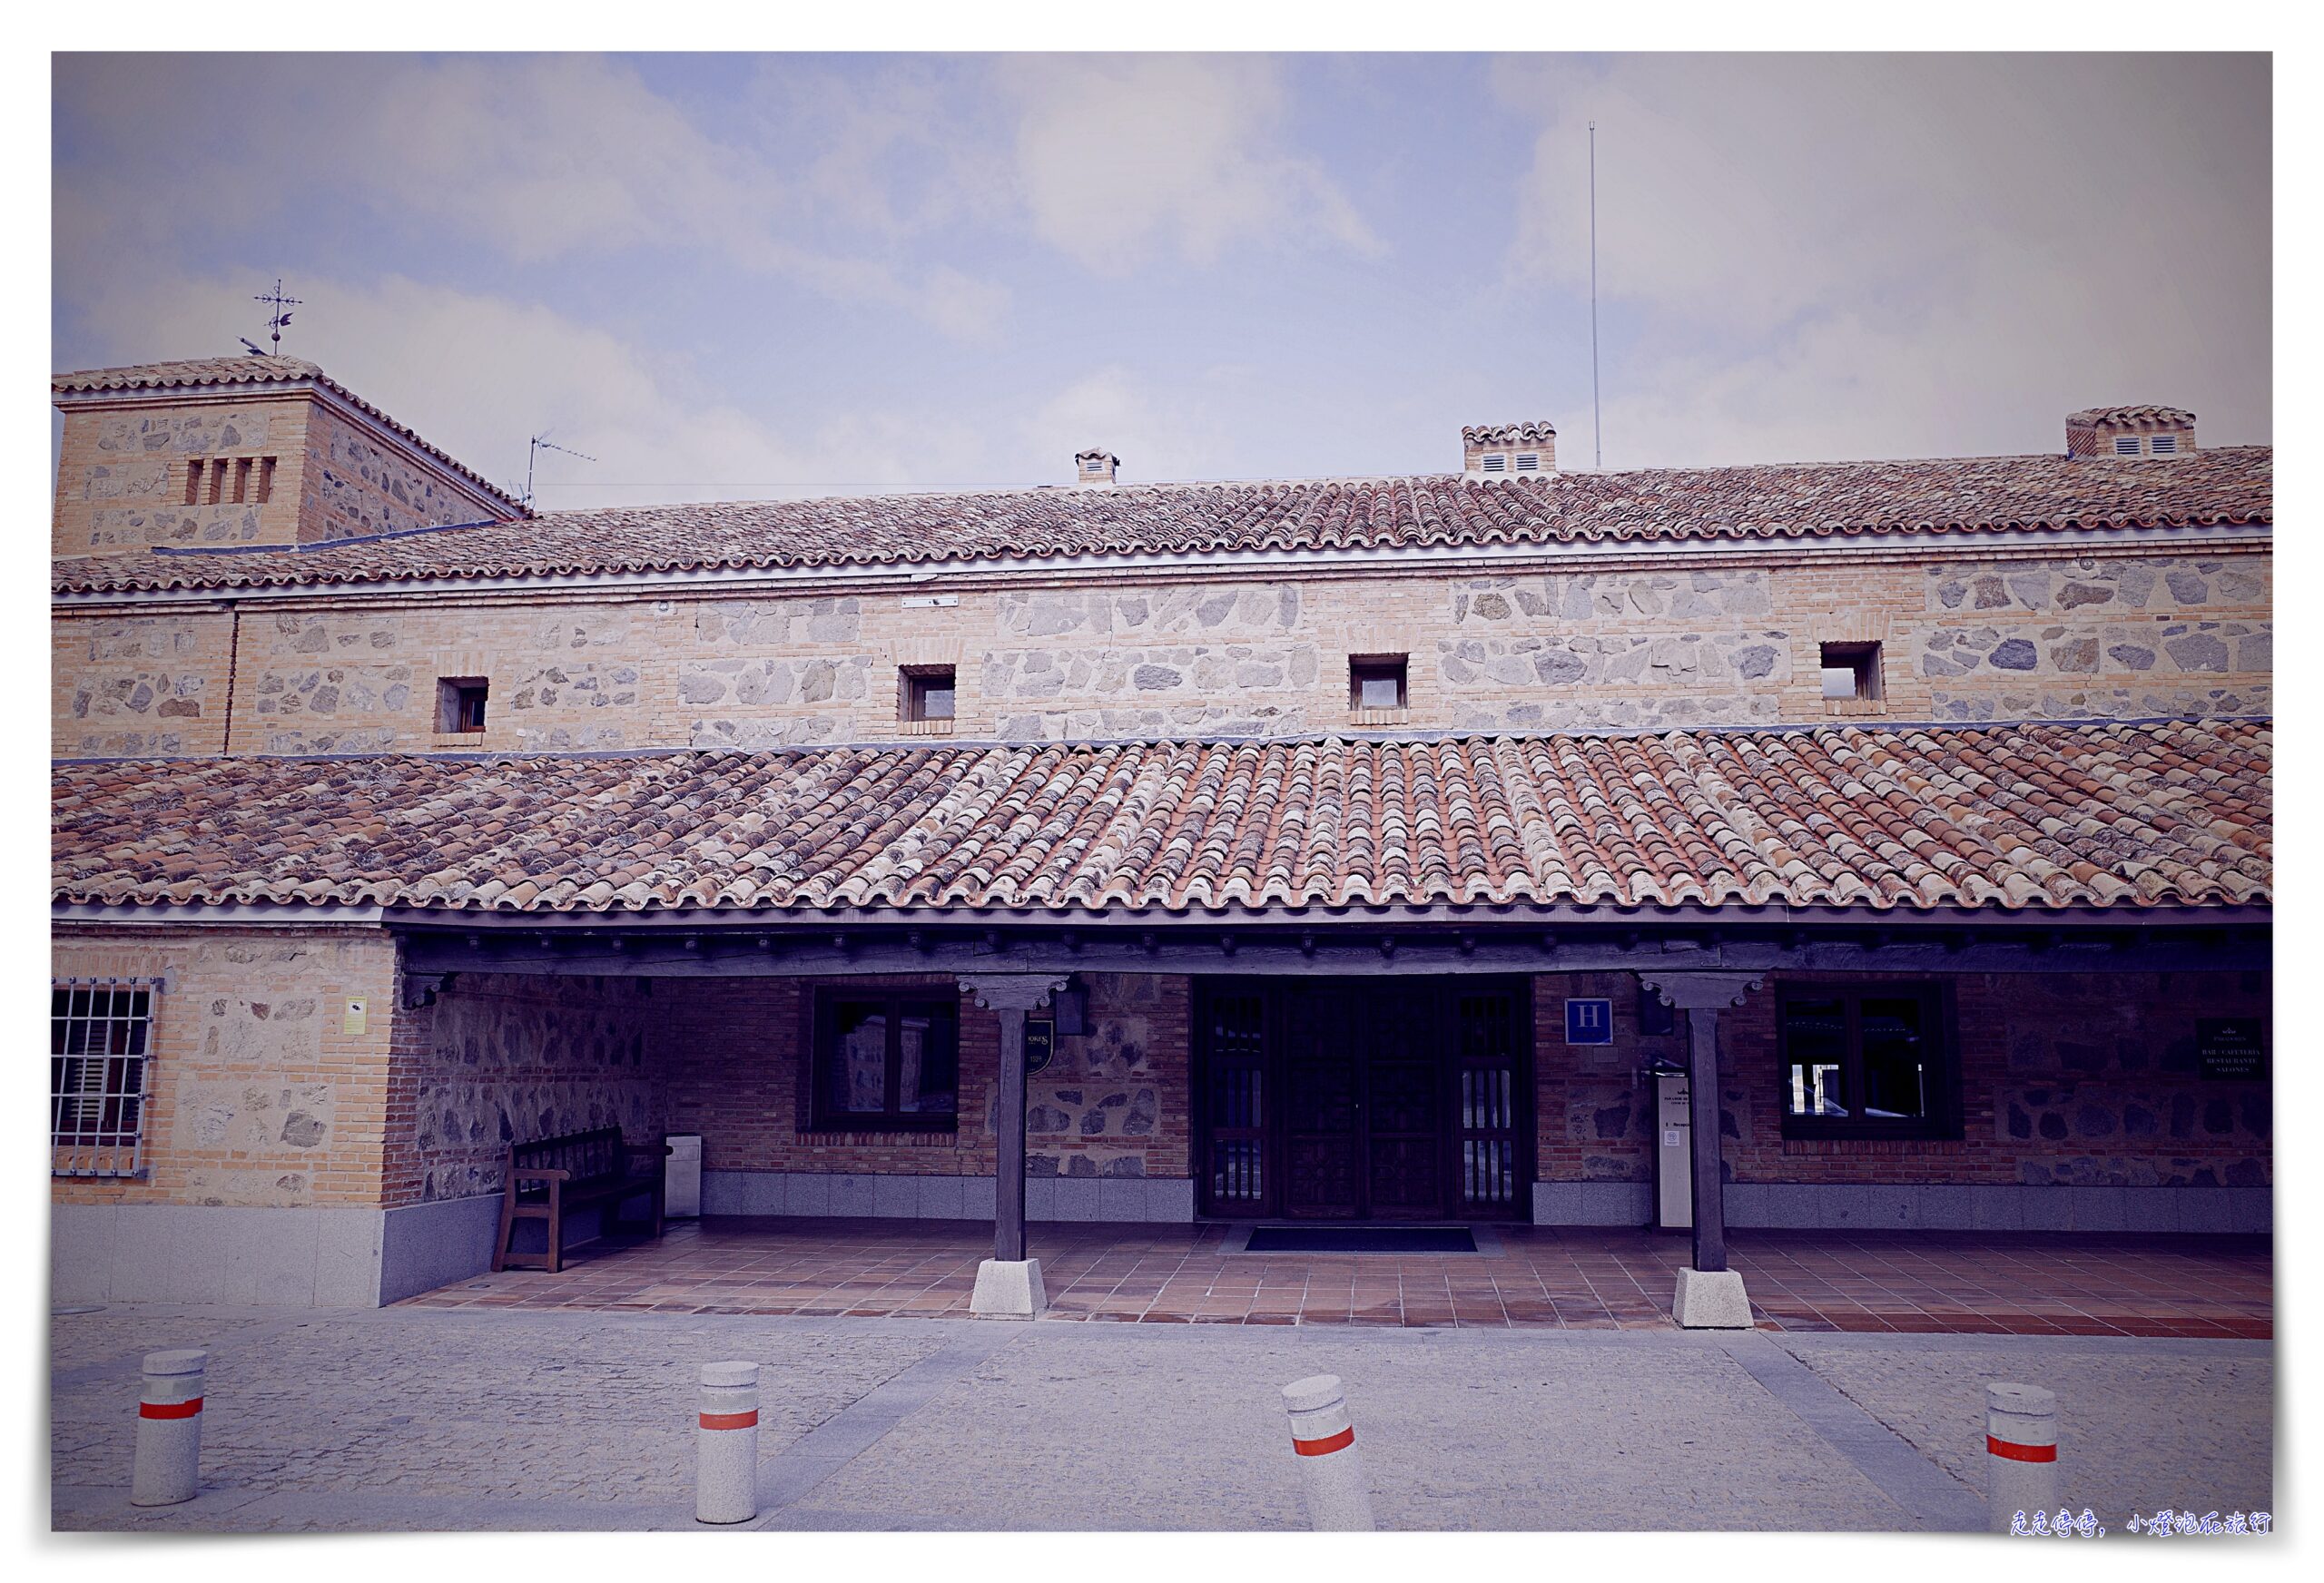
1590	1022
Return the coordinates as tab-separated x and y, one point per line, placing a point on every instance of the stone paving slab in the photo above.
2141	1424
416	1418
1115	1430
468	1407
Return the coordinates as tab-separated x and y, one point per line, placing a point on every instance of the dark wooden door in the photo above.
1323	1105
1347	1099
1397	1050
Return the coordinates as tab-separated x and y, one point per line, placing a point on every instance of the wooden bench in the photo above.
579	1171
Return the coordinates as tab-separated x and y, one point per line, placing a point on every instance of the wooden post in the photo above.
1702	1103
1009	1152
1011	996
1702	997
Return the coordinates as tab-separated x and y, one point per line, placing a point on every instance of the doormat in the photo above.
1361	1239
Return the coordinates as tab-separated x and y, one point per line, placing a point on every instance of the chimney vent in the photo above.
2130	431
1094	470
1507	450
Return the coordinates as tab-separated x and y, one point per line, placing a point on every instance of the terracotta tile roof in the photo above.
1506	433
200	372
1754	503
2009	817
2091	417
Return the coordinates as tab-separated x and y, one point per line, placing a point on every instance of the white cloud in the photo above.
479	375
1121	157
1158	437
536	157
1869	255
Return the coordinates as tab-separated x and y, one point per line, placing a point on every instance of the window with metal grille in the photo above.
2164	445
1495	462
1529	461
2126	445
100	1031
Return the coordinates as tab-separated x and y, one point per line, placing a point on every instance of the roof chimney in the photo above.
1501	450
1094	470
2130	431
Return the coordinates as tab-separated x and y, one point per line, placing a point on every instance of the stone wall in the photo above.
1112	1104
121	475
2083	1080
501	1058
356	482
136	686
1962	639
266	1090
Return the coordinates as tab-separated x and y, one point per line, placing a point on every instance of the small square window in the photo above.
459	704
1529	461
1375	682
2126	445
1495	463
2164	445
928	693
1851	670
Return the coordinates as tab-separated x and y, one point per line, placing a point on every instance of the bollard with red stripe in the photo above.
726	1444
1323	1436
2021	1453
166	1467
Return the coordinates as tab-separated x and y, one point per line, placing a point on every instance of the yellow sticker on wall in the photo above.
358	1017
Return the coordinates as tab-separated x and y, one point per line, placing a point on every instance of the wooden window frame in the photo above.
452	695
894	1004
912	685
1943	1122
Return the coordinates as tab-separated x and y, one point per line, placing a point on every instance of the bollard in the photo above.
2021	1453
726	1444
1338	1500
167	1464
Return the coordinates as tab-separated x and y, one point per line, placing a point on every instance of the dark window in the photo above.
1851	670
460	703
928	693
1865	1060
265	479
99	1034
1375	682
886	1062
194	483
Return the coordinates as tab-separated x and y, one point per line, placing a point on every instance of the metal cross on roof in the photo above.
281	306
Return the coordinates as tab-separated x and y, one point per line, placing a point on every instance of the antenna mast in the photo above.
1596	444
540	444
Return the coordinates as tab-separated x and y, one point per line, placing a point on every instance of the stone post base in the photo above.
1712	1300
1008	1289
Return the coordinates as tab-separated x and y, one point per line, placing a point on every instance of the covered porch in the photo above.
1930	1282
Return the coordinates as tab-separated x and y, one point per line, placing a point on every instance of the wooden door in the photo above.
1349	1099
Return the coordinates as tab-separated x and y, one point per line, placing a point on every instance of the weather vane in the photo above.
281	306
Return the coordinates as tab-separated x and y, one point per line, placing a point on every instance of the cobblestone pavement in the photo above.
1923	1282
417	1417
2142	1425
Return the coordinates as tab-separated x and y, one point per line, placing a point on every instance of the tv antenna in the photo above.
282	306
1597	443
540	444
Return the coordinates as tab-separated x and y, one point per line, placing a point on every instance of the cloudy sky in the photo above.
735	276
